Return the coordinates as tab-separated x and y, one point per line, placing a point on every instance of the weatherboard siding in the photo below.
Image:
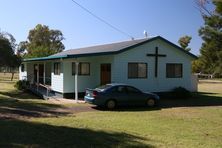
151	83
23	75
84	81
28	73
57	80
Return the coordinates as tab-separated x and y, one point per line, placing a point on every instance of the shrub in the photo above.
21	84
180	92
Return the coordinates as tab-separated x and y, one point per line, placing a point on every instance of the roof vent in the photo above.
145	34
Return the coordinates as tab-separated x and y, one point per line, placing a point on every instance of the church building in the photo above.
151	64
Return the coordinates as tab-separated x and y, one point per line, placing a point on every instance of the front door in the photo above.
41	73
35	72
105	74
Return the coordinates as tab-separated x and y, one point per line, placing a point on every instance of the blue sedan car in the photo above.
111	95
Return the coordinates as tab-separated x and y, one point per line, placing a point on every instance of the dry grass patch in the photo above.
212	86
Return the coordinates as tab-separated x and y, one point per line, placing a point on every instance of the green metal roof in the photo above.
45	58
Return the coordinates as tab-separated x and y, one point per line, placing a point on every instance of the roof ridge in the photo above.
117	42
106	49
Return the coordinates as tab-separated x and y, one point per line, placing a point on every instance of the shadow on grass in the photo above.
14	108
16	133
128	108
19	94
196	100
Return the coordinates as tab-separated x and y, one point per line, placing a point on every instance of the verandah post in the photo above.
76	80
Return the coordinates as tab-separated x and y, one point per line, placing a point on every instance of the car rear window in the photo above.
132	90
103	87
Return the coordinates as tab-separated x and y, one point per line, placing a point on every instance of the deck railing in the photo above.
33	85
47	80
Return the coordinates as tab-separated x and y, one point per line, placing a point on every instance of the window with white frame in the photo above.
137	70
57	68
83	68
174	70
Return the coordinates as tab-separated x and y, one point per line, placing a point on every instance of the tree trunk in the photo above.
12	75
4	70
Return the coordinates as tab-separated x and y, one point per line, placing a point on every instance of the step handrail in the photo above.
48	88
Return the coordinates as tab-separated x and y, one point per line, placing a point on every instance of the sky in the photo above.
170	19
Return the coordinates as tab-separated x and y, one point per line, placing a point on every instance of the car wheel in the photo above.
150	102
110	104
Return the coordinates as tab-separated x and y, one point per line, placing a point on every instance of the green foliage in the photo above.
180	93
184	42
218	3
211	33
42	42
7	49
197	66
21	84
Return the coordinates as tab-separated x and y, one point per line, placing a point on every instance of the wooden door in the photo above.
35	72
41	73
105	74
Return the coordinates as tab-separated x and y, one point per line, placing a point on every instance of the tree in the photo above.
211	33
197	66
8	58
184	42
41	42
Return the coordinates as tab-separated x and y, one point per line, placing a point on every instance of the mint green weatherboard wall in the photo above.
119	68
23	74
161	83
57	80
84	81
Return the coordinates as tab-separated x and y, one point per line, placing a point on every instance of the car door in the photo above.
119	94
135	96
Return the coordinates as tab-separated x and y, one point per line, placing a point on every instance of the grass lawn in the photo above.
26	121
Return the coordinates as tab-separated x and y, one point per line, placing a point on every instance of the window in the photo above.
120	89
22	68
73	68
56	68
174	70
132	90
83	69
137	70
103	87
